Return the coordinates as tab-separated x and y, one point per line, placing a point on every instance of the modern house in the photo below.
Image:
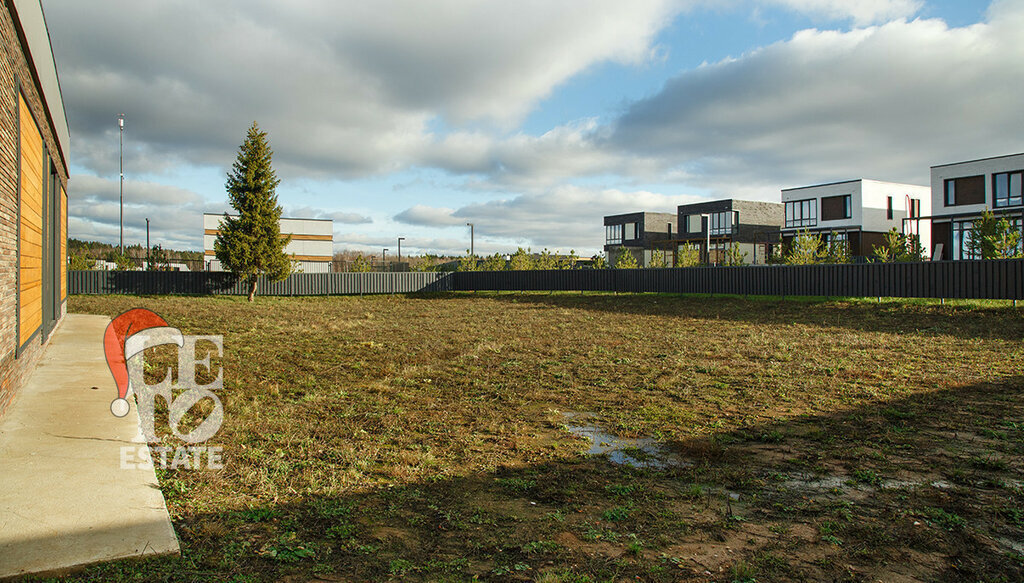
859	212
311	247
34	141
962	191
717	225
639	234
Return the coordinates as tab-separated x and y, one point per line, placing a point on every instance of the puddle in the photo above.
828	483
637	452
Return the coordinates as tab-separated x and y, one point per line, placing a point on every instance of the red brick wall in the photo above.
15	68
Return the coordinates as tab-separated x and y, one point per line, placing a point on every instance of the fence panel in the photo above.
298	284
999	279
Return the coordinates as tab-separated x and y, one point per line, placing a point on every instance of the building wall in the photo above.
986	168
311	245
33	199
942	215
869	217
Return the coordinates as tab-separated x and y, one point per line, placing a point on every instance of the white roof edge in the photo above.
37	36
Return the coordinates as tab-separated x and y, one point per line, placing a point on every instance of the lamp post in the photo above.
120	156
471	250
384	259
149	264
400	239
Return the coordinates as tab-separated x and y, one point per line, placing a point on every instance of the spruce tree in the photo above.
250	244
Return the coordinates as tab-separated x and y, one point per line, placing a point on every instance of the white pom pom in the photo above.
119	407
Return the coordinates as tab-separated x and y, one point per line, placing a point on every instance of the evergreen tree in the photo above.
626	260
734	256
688	256
992	238
598	262
250	244
521	260
494	262
805	250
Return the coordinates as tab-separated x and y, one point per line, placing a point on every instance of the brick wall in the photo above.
15	68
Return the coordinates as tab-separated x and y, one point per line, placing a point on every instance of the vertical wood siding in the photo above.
30	260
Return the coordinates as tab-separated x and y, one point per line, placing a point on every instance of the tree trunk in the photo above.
252	289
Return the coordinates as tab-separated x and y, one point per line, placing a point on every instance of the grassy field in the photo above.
444	438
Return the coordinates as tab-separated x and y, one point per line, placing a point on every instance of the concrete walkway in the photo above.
64	500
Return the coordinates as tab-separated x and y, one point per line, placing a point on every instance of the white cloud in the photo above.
861	12
175	214
884	102
560	218
342	87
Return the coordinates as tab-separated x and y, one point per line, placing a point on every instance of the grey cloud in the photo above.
342	89
175	214
427	216
883	102
560	218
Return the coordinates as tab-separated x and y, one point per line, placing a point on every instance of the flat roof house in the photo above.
961	191
33	198
752	225
859	212
638	233
311	247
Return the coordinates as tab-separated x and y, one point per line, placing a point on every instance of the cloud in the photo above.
342	88
427	216
339	217
175	214
884	102
560	218
861	12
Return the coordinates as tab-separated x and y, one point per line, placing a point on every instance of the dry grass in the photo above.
422	438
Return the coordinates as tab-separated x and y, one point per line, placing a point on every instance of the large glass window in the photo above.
613	234
722	223
631	232
1006	188
802	213
961	238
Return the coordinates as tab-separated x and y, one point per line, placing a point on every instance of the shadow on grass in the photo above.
894	316
927	488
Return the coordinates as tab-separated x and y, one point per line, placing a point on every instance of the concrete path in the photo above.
64	499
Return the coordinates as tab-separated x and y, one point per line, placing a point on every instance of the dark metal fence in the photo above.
299	284
1002	279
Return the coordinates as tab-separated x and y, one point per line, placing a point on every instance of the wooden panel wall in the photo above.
31	239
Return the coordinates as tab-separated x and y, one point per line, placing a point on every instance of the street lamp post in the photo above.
472	252
120	156
149	261
400	239
384	259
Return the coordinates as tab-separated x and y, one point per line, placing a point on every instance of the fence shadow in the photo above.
919	488
896	318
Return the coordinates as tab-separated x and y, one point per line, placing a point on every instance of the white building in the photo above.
961	191
859	212
311	247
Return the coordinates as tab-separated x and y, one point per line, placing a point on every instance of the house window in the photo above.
1006	187
613	234
721	223
631	232
966	190
961	238
888	208
802	213
834	208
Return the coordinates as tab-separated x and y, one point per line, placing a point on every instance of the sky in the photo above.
530	119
